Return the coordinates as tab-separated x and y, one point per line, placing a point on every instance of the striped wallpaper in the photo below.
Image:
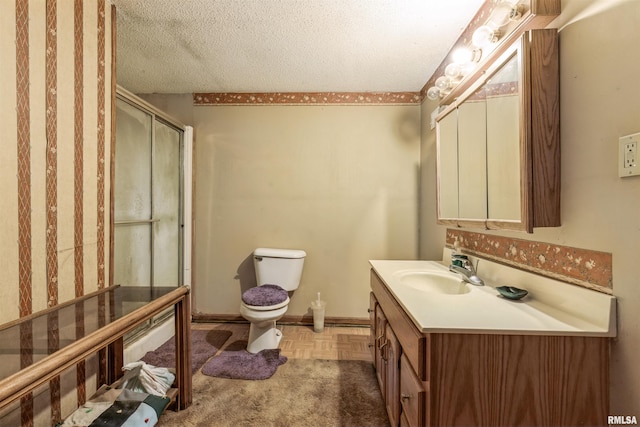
54	167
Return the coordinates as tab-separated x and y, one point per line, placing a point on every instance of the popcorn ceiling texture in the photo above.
165	46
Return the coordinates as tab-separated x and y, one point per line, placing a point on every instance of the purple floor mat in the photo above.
240	364
204	344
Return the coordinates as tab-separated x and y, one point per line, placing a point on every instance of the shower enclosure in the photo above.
149	205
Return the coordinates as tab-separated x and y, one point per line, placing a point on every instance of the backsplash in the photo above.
583	267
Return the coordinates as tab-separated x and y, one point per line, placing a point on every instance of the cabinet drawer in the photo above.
412	395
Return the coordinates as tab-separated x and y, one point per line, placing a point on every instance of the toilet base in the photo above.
263	336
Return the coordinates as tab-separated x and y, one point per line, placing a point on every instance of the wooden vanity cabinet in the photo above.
400	350
373	342
457	379
392	378
412	395
379	329
386	357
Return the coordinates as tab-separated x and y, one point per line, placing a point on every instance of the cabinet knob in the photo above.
405	396
370	310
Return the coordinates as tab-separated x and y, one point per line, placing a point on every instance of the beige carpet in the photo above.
313	393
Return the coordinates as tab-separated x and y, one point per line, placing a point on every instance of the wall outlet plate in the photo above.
629	155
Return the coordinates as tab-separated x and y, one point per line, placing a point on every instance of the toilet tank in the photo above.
282	267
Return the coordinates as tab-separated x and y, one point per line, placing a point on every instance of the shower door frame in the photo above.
184	198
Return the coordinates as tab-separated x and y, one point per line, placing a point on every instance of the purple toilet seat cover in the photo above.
265	295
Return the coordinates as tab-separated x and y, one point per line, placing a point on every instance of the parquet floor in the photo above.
301	342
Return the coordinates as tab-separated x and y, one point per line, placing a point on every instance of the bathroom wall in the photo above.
599	68
55	92
339	181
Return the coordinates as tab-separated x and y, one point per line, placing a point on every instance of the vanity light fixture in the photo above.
433	93
454	71
463	61
444	83
503	13
463	55
465	58
484	36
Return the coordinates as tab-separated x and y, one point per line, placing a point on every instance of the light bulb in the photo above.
467	68
443	83
433	93
503	13
463	55
453	70
484	36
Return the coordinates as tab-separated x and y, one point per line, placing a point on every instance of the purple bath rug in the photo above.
204	344
243	365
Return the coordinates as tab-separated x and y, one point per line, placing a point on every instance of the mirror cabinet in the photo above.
498	142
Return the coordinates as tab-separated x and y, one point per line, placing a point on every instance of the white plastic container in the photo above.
318	307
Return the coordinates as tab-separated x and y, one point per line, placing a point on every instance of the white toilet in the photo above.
278	271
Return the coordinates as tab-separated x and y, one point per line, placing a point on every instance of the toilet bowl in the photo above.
278	272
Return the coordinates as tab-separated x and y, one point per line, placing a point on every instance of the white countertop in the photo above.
483	310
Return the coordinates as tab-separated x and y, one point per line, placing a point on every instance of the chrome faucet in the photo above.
460	264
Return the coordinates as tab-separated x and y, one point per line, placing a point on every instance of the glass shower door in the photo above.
166	196
147	207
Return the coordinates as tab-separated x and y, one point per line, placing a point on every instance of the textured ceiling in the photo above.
169	46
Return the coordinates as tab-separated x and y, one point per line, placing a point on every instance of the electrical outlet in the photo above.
628	155
630	149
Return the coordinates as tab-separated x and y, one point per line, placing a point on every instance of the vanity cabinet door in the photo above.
380	344
392	365
447	165
472	152
373	303
412	395
403	420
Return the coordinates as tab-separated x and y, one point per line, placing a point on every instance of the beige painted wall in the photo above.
431	235
340	182
599	69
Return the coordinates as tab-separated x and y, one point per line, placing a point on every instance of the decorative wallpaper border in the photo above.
583	267
308	98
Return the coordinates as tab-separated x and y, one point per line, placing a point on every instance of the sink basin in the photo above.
431	281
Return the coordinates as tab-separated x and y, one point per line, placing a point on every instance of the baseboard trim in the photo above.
286	320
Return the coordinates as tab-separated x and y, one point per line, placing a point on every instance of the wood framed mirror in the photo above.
498	143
